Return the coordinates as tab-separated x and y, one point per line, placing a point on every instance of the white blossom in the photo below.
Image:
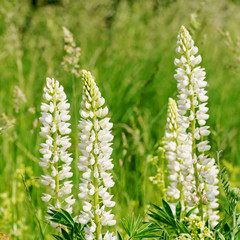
95	161
192	105
178	147
70	61
55	157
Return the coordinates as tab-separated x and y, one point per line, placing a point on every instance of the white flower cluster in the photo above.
71	59
178	148
192	105
95	162
55	130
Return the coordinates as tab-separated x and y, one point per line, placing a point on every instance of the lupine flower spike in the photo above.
71	59
56	159
178	147
192	105
95	162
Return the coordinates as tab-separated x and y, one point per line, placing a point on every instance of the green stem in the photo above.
180	186
193	125
75	126
95	183
55	150
96	202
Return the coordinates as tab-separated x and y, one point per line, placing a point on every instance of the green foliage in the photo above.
70	230
181	225
164	216
232	195
136	229
228	227
135	72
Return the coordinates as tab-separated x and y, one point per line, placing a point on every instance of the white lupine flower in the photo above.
109	236
95	162
178	154
71	59
55	157
192	105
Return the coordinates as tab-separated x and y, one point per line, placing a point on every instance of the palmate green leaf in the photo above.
135	229
160	216
57	237
67	216
164	236
61	217
79	230
182	227
147	231
135	224
65	235
219	235
190	212
126	227
61	221
119	236
167	209
178	211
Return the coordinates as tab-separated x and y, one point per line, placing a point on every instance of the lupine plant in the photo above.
95	162
56	159
192	190
192	105
177	146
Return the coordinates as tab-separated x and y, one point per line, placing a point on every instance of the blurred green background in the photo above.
129	46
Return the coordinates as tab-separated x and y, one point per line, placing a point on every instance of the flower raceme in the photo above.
56	159
178	148
71	59
193	110
95	161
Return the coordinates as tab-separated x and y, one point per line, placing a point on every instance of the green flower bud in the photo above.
235	193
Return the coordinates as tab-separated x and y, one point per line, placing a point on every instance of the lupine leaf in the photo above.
61	221
60	217
79	230
164	236
126	227
182	227
57	237
190	212
167	209
119	236
68	216
162	216
65	235
159	219
135	229
221	237
178	211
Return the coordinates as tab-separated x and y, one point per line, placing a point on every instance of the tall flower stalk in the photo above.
70	61
178	149
192	105
56	159
95	162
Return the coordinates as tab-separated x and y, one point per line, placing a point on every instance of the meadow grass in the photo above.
130	48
